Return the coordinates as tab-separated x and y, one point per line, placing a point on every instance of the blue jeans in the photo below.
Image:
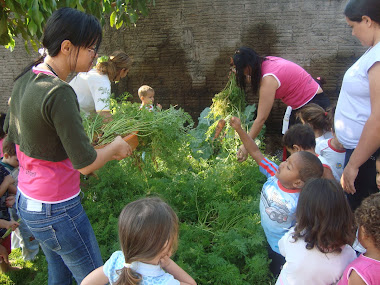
65	235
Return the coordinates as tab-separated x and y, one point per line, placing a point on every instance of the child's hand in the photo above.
159	107
3	254
235	123
165	261
10	201
11	224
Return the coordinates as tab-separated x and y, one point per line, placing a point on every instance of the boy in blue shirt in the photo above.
279	195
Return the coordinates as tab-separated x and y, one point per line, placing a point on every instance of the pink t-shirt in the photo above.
367	268
47	181
296	86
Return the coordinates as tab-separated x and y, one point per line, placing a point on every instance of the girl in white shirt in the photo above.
93	88
148	233
317	249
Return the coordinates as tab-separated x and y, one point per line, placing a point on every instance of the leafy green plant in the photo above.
28	17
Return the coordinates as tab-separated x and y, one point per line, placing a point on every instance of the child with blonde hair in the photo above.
317	249
148	233
146	95
366	268
93	88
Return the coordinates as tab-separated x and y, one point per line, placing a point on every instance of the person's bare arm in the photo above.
96	277
8	180
178	273
355	279
248	142
370	138
267	92
118	149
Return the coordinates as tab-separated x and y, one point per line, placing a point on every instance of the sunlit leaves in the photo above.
28	17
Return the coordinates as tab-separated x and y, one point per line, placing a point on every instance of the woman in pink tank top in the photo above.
274	78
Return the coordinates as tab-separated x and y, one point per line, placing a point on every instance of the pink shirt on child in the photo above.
367	268
296	86
47	181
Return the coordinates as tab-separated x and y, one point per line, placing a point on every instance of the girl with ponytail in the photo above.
148	233
93	88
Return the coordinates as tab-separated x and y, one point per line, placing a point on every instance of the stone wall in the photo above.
182	48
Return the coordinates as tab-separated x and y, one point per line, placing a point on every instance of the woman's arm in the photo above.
370	138
267	92
96	277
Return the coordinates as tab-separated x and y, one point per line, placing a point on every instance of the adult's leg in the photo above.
66	237
365	182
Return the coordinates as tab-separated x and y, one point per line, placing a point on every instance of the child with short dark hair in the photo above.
148	233
146	95
280	192
301	137
317	249
366	268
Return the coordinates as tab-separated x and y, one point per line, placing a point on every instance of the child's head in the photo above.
9	153
148	229
324	217
367	219
299	168
316	117
299	137
146	94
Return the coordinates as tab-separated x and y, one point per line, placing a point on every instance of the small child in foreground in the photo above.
148	233
317	249
280	192
146	95
301	137
366	268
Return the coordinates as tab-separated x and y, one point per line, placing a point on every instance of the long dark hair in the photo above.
81	29
247	57
324	217
356	9
146	227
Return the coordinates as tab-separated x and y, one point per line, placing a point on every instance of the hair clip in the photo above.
325	113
